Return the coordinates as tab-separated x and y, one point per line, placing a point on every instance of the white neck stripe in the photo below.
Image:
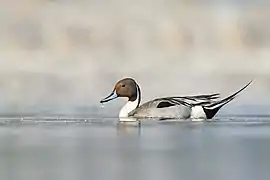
131	105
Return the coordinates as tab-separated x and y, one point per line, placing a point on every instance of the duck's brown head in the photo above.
126	87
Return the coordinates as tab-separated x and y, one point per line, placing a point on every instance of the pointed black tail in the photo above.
211	109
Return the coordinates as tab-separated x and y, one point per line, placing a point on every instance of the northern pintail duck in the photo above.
181	107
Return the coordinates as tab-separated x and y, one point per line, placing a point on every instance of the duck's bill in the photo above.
112	96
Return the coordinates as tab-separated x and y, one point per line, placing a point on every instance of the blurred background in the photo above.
63	56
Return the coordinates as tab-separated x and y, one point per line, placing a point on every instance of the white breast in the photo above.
127	108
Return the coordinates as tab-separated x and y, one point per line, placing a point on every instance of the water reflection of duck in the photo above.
129	128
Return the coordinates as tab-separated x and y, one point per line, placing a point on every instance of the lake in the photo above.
233	148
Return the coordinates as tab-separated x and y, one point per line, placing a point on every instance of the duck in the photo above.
194	107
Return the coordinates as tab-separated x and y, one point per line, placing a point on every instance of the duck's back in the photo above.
161	109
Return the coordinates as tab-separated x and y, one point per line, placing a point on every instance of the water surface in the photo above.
71	148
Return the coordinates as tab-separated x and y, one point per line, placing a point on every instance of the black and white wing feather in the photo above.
186	100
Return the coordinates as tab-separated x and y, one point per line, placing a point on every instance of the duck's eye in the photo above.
123	85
